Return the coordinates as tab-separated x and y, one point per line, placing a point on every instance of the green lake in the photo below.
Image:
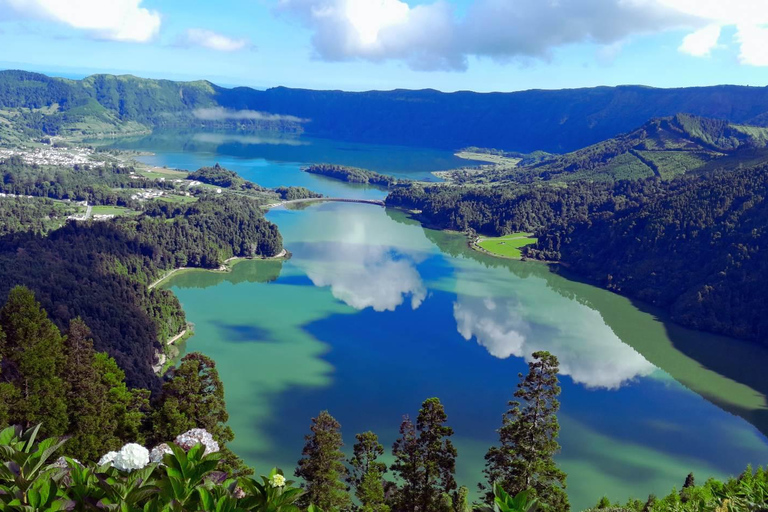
374	313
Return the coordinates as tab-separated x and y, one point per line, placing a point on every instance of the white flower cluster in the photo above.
133	456
197	436
130	457
277	480
107	458
158	452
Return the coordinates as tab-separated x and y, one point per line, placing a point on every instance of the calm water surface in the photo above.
273	161
374	313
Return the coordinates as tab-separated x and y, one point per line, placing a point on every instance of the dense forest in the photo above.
555	121
691	245
353	175
100	271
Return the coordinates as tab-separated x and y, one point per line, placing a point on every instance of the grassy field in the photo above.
173	198
111	210
153	172
487	157
507	246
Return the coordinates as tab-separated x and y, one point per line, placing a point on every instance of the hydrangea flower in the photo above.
158	452
107	458
197	436
277	480
61	463
130	457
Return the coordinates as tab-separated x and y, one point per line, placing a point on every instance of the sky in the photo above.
449	45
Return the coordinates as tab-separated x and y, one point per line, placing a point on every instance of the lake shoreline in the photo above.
225	267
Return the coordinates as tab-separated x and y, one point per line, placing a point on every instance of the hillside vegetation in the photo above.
101	271
664	147
353	175
555	121
694	245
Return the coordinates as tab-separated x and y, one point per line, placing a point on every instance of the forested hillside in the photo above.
693	245
664	147
100	271
556	121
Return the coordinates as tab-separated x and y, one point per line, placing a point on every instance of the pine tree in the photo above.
89	418
528	439
32	358
367	473
103	413
407	467
193	397
8	391
129	407
322	466
425	460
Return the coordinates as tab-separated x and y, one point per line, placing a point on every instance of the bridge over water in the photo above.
325	199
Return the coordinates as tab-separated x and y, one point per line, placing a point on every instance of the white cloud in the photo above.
588	351
433	36
221	114
702	42
117	20
754	44
750	17
212	40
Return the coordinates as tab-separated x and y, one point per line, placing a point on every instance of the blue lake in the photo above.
374	313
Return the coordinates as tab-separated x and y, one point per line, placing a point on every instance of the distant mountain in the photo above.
664	147
554	121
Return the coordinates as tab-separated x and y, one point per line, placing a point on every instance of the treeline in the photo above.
36	214
58	379
423	471
353	175
694	245
101	271
106	184
220	177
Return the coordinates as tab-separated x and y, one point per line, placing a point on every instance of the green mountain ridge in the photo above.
550	120
662	147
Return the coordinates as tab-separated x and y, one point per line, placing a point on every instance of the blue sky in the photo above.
482	45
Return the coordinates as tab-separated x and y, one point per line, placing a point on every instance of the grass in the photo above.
110	210
507	246
152	172
487	157
172	198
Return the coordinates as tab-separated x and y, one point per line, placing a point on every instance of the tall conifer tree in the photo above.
528	443
367	474
322	466
32	358
103	413
193	397
425	460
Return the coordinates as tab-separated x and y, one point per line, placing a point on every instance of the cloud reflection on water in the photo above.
588	351
362	272
371	276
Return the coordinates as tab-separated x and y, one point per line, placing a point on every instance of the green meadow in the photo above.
507	246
